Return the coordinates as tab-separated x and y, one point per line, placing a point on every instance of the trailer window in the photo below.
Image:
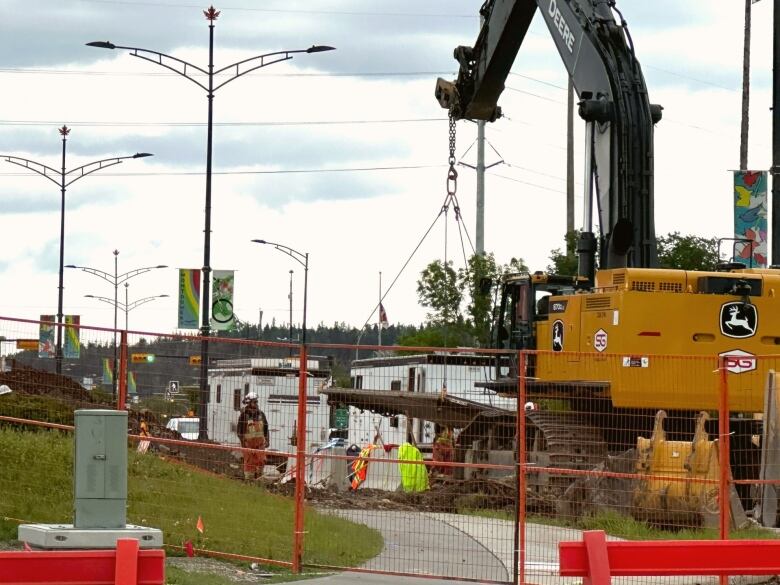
219	393
237	399
246	388
395	385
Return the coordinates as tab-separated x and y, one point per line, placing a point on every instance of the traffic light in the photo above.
195	360
141	358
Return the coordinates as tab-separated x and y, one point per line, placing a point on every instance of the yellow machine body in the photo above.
620	331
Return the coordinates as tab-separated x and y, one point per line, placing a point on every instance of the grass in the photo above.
36	486
176	576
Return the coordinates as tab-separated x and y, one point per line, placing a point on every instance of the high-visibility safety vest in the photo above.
254	430
360	466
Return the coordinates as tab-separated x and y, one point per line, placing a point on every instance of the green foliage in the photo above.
239	517
439	290
36	407
687	252
565	264
444	291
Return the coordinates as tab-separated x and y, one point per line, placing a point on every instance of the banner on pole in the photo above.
108	371
131	386
750	217
189	298
222	317
72	347
46	348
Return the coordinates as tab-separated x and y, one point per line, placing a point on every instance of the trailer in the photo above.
440	374
275	381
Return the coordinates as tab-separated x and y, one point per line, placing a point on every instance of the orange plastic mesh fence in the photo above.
409	459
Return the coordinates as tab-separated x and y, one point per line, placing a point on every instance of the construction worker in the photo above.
253	434
443	450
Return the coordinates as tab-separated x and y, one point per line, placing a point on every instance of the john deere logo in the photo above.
738	320
557	336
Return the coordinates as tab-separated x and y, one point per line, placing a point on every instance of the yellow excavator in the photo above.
601	336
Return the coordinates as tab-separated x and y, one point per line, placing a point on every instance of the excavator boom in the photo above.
599	56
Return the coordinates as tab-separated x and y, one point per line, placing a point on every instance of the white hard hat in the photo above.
251	396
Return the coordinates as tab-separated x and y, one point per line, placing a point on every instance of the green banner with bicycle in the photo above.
222	317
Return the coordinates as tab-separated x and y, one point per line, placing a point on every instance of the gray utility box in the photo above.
100	469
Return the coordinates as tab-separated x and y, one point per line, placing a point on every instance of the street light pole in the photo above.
183	68
64	179
301	258
289	297
115	279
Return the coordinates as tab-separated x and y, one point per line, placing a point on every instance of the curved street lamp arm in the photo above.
41	169
142	54
118	304
128	275
86	169
294	254
99	273
263	63
143	301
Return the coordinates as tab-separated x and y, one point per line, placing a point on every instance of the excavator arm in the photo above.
599	56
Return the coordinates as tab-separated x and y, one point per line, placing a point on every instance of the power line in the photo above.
200	124
289	11
28	71
268	172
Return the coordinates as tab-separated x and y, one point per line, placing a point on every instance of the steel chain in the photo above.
452	174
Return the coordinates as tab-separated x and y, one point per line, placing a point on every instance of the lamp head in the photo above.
259	241
142	154
71	266
320	49
102	45
162	266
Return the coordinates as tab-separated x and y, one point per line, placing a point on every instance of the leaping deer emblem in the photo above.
557	336
736	321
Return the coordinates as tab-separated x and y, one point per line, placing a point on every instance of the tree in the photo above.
565	263
438	289
687	252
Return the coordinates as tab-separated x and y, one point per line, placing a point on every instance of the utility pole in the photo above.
743	138
774	231
481	187
570	247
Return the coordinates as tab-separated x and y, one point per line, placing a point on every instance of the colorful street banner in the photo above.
222	317
131	387
108	371
189	298
750	217
71	349
46	347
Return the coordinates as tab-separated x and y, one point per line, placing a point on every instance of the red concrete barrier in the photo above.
127	565
596	560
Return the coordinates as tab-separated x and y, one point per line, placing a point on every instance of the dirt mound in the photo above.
27	380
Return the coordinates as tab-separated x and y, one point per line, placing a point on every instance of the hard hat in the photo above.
251	396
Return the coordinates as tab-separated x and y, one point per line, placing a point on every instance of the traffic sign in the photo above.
173	387
195	360
27	344
141	358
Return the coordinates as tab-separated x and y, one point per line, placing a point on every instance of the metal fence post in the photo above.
122	386
300	462
723	454
519	556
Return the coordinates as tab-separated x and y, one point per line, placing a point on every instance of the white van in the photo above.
187	427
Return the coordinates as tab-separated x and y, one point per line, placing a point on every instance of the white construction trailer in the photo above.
442	374
276	383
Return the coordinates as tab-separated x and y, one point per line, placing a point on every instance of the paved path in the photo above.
427	545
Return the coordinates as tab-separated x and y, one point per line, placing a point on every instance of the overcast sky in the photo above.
340	154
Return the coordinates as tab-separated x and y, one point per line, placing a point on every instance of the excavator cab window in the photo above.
516	316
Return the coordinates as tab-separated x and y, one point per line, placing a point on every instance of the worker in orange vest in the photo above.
253	433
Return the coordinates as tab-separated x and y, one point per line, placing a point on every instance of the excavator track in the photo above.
560	440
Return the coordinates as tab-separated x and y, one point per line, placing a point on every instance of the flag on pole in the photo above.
382	316
199	525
